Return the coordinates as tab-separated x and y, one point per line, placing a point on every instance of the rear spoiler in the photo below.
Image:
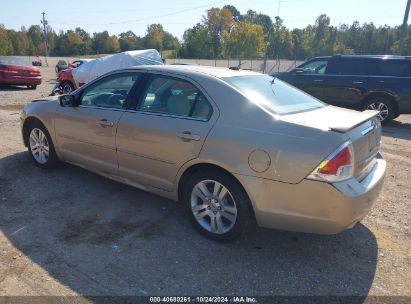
365	115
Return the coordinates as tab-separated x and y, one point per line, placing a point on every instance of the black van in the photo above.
358	82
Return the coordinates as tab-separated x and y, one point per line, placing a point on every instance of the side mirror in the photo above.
67	101
298	71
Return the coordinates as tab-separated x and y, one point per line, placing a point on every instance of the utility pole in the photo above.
45	23
279	6
404	26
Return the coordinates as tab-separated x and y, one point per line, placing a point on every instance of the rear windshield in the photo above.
13	61
273	95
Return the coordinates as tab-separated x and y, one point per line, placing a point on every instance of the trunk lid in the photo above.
21	70
362	128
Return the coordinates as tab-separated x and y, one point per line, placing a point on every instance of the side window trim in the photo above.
168	115
148	77
137	92
193	107
330	63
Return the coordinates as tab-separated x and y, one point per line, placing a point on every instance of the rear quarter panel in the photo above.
243	127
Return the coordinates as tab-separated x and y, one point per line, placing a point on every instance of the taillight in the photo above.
338	166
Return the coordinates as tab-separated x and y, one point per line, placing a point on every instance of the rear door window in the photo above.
347	66
177	97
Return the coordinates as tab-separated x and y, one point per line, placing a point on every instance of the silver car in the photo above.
235	147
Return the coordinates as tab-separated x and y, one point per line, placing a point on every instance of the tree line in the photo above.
222	33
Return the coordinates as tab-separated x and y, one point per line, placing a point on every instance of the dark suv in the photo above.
358	82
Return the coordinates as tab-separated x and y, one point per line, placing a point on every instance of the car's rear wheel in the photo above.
384	107
217	205
32	86
40	146
67	87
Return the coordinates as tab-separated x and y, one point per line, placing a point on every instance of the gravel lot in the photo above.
71	232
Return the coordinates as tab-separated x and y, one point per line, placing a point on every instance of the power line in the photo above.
154	17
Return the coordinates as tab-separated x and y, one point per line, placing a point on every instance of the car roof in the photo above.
197	69
366	56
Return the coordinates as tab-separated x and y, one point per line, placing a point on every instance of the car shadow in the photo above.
102	238
397	129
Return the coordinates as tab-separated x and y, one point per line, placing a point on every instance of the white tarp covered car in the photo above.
95	68
71	79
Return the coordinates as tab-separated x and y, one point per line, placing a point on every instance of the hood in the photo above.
48	98
330	118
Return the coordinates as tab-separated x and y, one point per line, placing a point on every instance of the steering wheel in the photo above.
116	100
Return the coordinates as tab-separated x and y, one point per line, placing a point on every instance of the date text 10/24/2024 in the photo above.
204	299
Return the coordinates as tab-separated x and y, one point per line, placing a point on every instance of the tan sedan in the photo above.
235	147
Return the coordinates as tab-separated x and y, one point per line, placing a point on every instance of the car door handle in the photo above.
358	82
187	135
318	80
105	123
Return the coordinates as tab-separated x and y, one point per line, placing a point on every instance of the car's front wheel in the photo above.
40	146
67	87
217	205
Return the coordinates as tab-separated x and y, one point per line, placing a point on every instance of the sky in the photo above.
178	15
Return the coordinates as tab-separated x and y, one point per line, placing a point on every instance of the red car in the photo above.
15	71
65	82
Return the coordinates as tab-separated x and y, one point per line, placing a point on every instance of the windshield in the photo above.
273	95
13	61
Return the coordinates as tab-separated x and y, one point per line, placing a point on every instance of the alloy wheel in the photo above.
67	89
213	207
382	109
39	146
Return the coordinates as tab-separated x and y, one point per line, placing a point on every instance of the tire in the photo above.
222	217
66	87
384	106
40	146
32	86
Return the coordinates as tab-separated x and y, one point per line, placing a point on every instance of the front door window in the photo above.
110	92
315	67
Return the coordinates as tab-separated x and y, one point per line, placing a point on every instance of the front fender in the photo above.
43	111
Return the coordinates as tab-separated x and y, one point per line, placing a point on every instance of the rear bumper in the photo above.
20	80
313	206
